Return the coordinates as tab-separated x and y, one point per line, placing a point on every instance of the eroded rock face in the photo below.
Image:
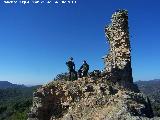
88	99
118	61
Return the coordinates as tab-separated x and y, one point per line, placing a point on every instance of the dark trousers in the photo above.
79	73
85	73
72	75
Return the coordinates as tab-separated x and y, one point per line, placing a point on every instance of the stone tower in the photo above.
118	61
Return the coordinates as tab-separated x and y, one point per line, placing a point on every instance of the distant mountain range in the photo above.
149	87
148	81
144	86
6	84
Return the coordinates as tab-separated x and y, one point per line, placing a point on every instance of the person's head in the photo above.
71	59
84	62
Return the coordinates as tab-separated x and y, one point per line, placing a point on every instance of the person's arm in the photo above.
88	67
81	67
74	67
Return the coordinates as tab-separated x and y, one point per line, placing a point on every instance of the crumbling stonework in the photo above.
118	61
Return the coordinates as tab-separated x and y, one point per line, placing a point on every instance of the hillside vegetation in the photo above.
15	102
152	90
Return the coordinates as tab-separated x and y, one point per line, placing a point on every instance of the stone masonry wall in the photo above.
118	61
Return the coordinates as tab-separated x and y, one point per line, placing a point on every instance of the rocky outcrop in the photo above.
88	99
118	61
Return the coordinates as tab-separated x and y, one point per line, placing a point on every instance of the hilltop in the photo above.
89	98
6	84
109	95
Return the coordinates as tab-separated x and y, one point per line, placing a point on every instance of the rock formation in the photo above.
101	97
89	99
118	61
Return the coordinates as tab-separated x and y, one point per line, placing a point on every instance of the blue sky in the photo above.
36	40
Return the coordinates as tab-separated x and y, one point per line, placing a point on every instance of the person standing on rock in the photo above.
83	71
71	68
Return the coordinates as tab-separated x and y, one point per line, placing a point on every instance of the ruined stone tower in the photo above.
118	61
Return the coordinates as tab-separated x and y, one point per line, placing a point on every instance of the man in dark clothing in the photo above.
71	69
83	71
